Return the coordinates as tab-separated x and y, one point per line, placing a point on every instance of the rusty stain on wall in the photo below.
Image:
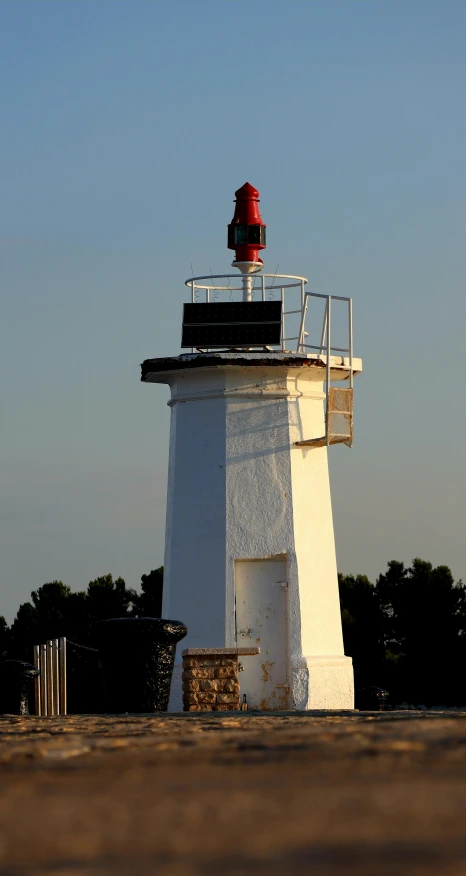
266	667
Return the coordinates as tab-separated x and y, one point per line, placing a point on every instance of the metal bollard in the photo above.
137	656
50	685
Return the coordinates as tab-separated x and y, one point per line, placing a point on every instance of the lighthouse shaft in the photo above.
250	552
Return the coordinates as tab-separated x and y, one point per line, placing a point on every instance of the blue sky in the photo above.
126	127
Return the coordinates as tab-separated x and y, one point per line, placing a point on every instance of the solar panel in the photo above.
232	311
232	324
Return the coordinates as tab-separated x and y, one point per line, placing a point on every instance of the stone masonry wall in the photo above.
210	683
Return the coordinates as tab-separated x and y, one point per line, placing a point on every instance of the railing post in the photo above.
62	664
282	293
193	301
350	317
300	339
327	370
207	299
323	336
49	659
37	680
43	679
301	327
55	678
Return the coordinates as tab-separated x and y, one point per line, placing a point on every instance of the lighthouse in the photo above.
263	389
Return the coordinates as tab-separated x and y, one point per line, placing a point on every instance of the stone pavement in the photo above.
227	794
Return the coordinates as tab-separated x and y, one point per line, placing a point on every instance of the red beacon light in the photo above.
246	232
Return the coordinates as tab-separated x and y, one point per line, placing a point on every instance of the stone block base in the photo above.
210	682
210	678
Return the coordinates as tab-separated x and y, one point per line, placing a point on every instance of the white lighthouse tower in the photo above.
249	549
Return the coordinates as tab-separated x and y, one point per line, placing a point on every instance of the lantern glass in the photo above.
241	234
254	234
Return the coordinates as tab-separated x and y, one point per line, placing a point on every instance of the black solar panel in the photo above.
232	311
232	324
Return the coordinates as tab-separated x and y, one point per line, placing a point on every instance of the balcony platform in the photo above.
152	369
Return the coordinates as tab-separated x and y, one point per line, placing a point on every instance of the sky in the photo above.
127	125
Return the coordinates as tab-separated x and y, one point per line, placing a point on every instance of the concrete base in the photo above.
331	683
323	682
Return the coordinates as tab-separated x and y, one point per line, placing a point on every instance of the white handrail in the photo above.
193	281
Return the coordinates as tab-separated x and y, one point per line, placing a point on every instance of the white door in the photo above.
262	619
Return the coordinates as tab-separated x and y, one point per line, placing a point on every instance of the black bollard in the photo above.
371	699
16	677
137	655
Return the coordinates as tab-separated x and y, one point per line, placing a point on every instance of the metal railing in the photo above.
338	402
263	287
326	345
270	287
50	685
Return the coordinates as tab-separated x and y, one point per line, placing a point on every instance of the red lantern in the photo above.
246	232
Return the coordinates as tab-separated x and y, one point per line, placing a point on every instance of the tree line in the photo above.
406	632
55	611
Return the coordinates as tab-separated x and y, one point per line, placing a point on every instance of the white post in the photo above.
50	703
43	679
301	327
327	370
37	680
350	317
63	692
247	287
193	300
55	678
282	294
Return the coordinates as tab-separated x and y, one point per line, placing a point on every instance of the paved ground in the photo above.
229	794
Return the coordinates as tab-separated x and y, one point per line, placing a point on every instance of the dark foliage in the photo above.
148	603
424	632
362	621
55	611
3	637
407	633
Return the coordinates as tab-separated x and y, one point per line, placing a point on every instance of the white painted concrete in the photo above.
238	489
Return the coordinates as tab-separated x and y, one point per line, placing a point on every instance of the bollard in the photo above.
137	657
371	699
16	677
50	686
